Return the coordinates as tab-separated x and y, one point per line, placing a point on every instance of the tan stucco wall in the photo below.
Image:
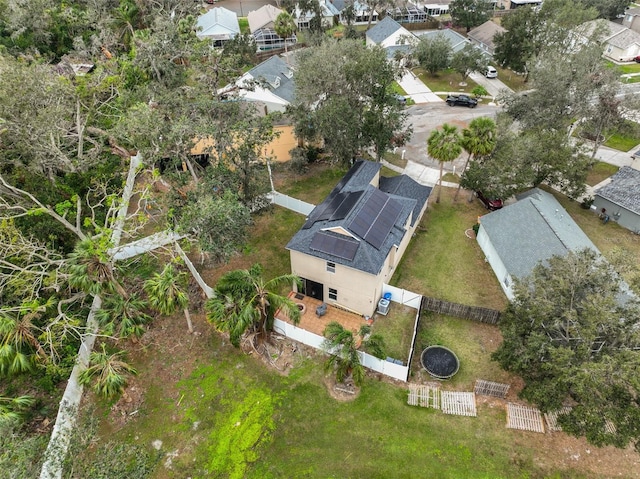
357	291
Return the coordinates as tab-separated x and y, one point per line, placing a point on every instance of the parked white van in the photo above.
491	72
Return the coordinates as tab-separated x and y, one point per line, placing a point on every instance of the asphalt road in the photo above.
426	117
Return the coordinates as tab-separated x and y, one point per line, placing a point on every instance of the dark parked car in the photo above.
462	100
490	204
637	59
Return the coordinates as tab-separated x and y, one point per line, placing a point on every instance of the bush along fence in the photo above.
474	313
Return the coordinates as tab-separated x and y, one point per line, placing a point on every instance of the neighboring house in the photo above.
261	25
519	236
521	3
361	12
330	15
263	17
456	40
436	9
270	85
620	44
621	198
407	13
632	19
482	36
353	241
218	25
388	33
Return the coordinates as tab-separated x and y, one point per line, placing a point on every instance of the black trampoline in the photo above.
440	362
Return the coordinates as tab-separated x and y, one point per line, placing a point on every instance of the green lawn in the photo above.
599	172
447	81
625	138
441	261
224	414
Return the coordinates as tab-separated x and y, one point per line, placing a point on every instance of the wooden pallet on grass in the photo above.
524	418
458	403
424	395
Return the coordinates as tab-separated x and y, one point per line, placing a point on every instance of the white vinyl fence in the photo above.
402	296
396	371
290	203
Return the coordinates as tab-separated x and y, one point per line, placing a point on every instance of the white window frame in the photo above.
333	294
331	267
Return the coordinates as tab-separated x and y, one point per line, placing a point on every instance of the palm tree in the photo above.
478	140
91	269
244	302
343	353
372	343
108	372
285	26
20	347
11	409
444	146
123	317
167	292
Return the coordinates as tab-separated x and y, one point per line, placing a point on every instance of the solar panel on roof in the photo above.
346	206
334	245
383	223
367	215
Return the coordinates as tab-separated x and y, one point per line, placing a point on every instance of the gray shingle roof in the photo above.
367	257
623	190
625	38
272	69
383	30
484	33
531	231
456	40
405	186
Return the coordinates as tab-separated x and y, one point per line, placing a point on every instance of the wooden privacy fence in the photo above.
474	313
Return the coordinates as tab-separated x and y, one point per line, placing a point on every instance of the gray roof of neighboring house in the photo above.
532	230
623	190
357	6
383	30
269	71
327	8
633	11
607	28
484	33
625	38
217	21
330	214
457	41
392	49
263	16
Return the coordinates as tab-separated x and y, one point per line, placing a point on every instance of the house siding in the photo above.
357	290
622	216
493	258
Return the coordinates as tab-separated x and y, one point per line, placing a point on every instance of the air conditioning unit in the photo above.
383	306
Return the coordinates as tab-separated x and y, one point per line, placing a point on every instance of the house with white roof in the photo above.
218	25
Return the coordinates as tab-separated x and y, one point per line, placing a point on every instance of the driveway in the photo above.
493	85
425	118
